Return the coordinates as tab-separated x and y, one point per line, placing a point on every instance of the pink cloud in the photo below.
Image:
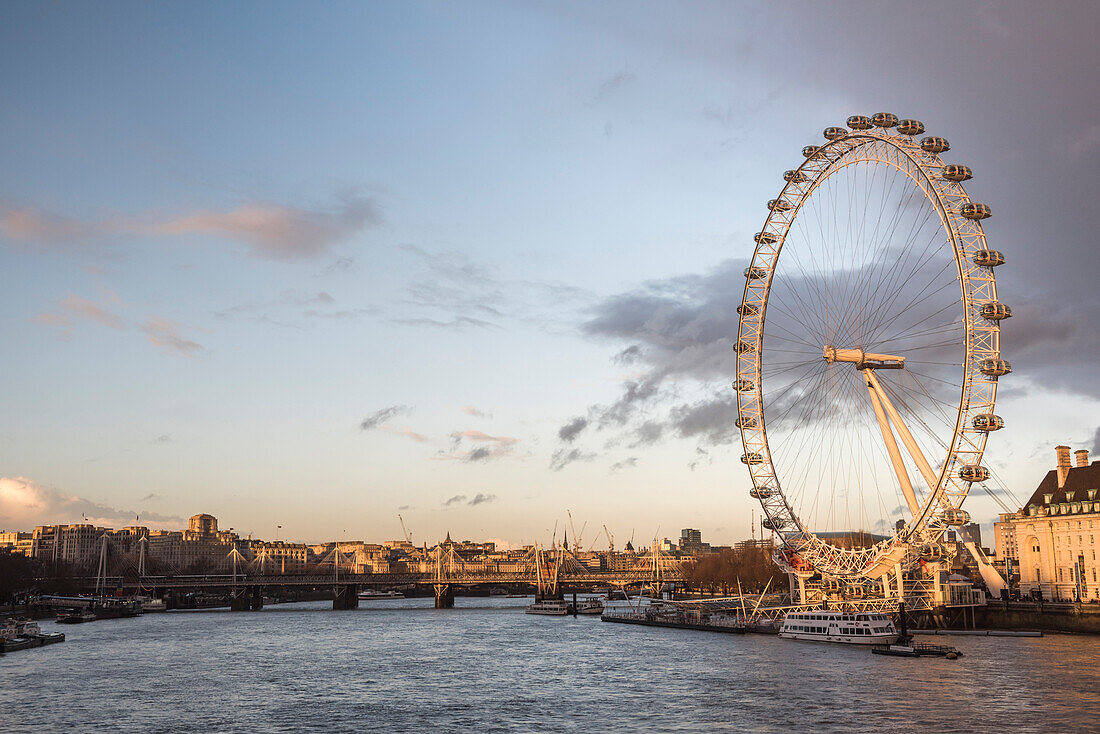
162	333
273	231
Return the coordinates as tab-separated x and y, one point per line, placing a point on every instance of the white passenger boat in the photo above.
590	605
851	628
375	594
554	607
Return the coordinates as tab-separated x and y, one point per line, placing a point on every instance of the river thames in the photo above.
401	665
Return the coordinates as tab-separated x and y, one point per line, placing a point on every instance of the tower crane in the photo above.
610	539
408	535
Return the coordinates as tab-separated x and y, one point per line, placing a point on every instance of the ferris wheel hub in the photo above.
863	360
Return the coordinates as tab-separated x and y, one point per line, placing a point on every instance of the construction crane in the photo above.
610	540
408	535
576	535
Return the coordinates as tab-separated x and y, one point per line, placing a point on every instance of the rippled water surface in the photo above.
400	665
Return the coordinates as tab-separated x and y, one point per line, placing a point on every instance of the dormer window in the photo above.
1069	496
1092	494
1047	498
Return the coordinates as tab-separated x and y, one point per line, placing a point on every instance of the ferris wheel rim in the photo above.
966	237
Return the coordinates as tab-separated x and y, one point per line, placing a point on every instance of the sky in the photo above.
313	266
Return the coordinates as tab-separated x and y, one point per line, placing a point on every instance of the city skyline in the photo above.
449	266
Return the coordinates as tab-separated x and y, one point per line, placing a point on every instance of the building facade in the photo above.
1053	537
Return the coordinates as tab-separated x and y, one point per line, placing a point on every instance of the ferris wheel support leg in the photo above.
906	437
901	587
892	448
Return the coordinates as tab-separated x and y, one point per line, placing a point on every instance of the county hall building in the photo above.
1051	541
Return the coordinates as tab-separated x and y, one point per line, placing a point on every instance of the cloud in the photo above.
458	323
502	544
570	430
405	431
303	304
609	86
24	504
267	230
563	457
481	453
485	448
628	463
72	309
165	334
150	497
710	419
454	500
480	499
454	291
162	333
378	417
476	412
163	438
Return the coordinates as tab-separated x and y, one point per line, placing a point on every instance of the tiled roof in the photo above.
1079	481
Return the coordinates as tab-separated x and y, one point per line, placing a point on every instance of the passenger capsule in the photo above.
989	258
931	552
752	459
957	173
748	309
973	473
910	127
934	145
761	493
859	122
744	385
988	422
776	524
744	347
765	238
833	133
810	150
884	119
794	176
994	367
956	517
975	211
995	311
746	421
756	273
779	205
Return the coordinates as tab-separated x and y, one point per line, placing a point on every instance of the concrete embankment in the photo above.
1047	616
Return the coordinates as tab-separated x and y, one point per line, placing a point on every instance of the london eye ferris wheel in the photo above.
868	352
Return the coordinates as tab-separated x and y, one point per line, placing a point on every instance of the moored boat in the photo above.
551	607
849	628
20	634
376	594
75	616
590	605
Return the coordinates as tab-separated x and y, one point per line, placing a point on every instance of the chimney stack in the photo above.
1063	464
1082	457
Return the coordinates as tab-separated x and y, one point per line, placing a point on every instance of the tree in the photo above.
17	575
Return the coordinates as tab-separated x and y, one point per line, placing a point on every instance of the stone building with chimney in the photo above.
1052	538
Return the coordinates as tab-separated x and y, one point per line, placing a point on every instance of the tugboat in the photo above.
19	634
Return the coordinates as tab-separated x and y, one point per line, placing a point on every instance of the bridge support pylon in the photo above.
345	597
444	596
